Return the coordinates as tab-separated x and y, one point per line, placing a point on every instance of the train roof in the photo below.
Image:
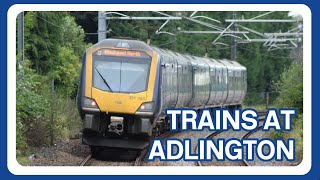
123	43
142	46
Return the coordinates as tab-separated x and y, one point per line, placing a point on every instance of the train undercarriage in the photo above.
122	137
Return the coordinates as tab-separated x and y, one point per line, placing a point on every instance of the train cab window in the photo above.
120	74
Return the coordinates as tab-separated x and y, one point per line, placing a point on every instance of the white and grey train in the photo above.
199	82
126	85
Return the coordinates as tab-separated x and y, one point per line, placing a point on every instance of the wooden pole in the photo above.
267	100
52	114
21	35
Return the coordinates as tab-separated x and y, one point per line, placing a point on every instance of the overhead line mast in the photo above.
21	35
233	39
102	26
272	40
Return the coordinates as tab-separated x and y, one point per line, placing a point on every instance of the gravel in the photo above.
67	153
194	136
64	153
257	162
72	152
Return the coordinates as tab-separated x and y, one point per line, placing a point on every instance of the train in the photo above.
126	85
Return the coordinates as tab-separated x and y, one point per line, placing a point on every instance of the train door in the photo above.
170	80
244	84
237	89
194	83
207	84
188	82
224	84
239	82
231	85
195	89
213	88
218	85
180	83
174	85
165	82
241	85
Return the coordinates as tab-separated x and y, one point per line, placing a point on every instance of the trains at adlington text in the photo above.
126	85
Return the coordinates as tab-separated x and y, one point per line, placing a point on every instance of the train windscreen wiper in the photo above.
104	80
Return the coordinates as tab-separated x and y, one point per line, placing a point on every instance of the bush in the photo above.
67	117
296	133
290	88
34	110
66	71
54	53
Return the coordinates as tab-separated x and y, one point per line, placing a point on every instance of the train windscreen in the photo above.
121	74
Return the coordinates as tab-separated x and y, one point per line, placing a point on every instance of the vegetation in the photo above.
54	46
290	87
263	66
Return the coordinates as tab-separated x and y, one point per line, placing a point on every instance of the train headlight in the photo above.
89	103
146	107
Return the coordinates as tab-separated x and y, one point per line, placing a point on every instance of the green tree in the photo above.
31	107
44	36
263	66
55	45
290	87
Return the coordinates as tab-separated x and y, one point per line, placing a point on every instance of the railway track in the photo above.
245	162
144	152
138	161
87	161
262	115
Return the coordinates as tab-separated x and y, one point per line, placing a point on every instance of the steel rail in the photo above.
144	152
211	135
86	160
245	162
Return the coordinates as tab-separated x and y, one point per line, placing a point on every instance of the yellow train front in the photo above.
126	85
117	95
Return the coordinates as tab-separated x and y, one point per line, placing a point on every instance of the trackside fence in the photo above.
260	100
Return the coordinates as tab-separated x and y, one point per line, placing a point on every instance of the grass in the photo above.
67	118
259	107
66	122
296	133
23	161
